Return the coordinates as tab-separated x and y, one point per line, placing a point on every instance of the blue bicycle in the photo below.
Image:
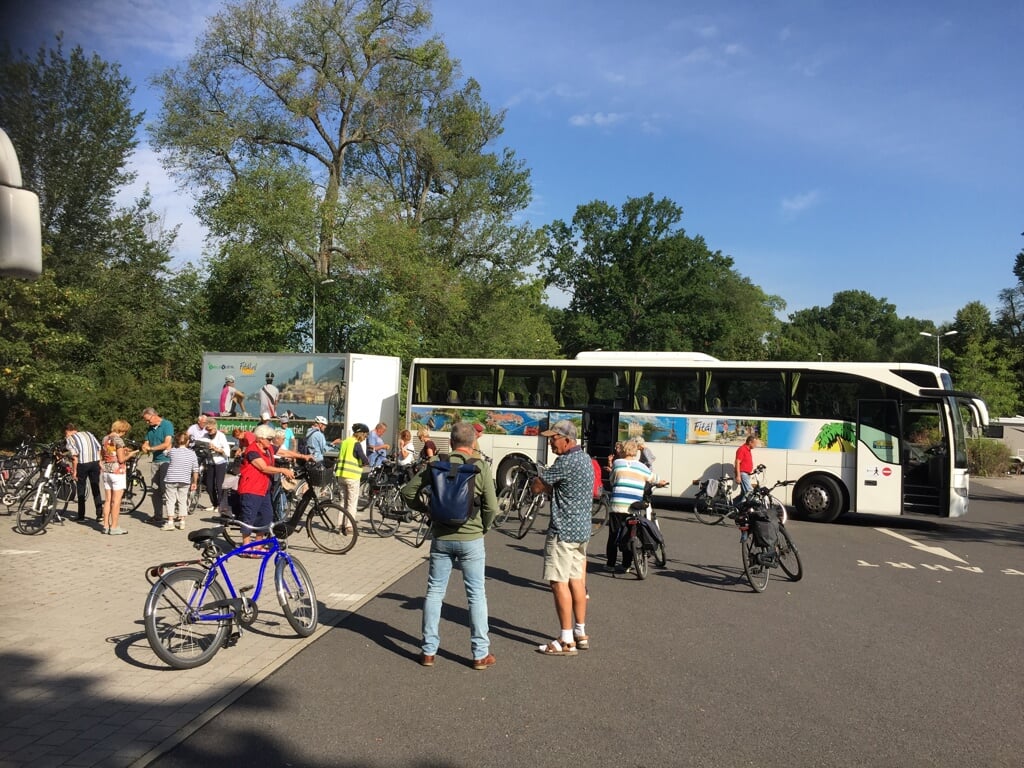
188	616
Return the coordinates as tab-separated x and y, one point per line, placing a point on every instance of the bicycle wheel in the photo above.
659	555
384	515
422	522
506	504
640	564
527	516
65	492
34	513
599	512
193	500
366	492
707	512
134	493
756	573
327	524
296	595
180	632
789	558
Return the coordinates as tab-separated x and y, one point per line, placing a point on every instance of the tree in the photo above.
98	334
640	283
982	364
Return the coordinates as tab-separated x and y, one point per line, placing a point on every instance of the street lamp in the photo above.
328	281
938	340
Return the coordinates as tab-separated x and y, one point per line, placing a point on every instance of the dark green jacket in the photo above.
486	500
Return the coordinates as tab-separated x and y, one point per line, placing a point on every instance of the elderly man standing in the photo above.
159	440
85	467
570	481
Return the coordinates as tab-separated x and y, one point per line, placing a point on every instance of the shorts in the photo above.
114	481
257	511
564	560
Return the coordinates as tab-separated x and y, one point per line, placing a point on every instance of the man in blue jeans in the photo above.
462	544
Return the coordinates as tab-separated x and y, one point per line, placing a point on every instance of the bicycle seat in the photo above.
203	534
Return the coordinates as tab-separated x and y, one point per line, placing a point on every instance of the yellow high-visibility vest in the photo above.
349	467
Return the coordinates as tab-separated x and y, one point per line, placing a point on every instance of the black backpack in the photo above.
453	491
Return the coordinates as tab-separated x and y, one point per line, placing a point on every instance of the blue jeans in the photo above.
471	558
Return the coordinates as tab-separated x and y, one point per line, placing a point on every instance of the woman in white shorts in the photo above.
113	456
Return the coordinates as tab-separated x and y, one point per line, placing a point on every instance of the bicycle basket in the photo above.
317	475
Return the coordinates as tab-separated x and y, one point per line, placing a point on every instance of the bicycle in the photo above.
716	501
388	509
331	528
135	488
517	498
51	496
641	535
599	511
758	559
189	618
205	456
18	474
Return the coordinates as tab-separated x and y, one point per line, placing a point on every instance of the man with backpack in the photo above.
462	504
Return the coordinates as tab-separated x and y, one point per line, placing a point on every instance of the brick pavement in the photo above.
81	685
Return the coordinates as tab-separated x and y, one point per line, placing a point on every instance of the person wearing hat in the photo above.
316	442
289	434
570	482
478	429
349	471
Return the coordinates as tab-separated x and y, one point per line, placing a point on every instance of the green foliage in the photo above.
987	458
640	283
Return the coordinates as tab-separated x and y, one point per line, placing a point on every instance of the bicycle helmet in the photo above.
360	427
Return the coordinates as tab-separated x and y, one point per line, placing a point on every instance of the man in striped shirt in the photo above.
85	466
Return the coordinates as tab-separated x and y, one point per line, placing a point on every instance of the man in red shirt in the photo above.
745	464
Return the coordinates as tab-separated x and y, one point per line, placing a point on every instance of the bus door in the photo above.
926	457
879	485
600	431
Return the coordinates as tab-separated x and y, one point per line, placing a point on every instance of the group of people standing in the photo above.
569	481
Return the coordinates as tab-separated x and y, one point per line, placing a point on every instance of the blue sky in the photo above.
825	146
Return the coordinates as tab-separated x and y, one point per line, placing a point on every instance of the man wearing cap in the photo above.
316	442
351	460
570	482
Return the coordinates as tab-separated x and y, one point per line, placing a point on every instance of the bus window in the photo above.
879	429
746	393
527	387
823	395
594	387
660	390
453	386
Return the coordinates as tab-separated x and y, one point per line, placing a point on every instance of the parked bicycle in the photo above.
388	509
717	498
52	494
641	535
331	528
205	457
135	488
517	499
18	474
760	551
188	616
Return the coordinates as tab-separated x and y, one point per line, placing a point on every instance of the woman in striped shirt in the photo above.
629	476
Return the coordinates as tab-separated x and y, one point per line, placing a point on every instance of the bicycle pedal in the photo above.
243	590
232	638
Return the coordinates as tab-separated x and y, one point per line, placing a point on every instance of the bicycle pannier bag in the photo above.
452	491
762	528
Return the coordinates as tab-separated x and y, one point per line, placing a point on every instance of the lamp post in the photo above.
938	341
328	281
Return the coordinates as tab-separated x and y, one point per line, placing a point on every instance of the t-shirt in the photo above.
572	480
745	458
108	454
156	435
183	464
629	477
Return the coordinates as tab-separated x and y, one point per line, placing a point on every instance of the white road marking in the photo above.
924	547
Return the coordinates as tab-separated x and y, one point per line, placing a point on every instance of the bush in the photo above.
987	457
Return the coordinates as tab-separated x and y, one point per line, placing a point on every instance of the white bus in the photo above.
879	438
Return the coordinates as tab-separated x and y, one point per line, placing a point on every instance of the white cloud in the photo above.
797	204
599	119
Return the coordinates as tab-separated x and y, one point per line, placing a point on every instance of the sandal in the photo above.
556	648
582	642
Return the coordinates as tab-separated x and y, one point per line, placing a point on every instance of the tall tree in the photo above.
638	282
980	363
95	336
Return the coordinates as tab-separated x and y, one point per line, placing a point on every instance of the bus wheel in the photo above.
819	499
503	476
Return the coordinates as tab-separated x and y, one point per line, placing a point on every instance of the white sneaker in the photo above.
210	510
179	524
167	526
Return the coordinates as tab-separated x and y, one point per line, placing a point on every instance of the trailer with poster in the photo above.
344	388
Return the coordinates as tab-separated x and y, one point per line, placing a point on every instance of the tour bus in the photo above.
879	438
